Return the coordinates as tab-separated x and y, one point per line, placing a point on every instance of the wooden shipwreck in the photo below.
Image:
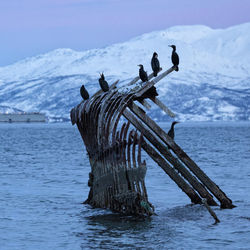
114	147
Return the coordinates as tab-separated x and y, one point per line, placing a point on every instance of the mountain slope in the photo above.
213	82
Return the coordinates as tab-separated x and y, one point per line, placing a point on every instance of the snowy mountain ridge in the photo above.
213	82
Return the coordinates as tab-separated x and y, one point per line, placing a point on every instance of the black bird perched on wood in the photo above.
84	93
171	130
103	83
155	64
142	73
175	57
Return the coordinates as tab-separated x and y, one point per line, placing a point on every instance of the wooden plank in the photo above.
140	140
125	142
145	104
149	85
137	78
175	162
129	157
214	189
161	105
152	153
113	85
104	107
110	114
171	173
165	73
125	100
212	213
168	156
134	161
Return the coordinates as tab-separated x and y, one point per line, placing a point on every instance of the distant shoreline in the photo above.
23	117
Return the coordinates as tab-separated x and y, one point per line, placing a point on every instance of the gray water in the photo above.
44	170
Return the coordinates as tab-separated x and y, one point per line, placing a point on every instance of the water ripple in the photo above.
44	174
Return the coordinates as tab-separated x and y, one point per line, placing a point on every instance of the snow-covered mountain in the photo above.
213	82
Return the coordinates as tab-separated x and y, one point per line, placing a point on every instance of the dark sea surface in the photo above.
43	182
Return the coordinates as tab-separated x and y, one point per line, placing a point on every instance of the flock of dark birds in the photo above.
155	64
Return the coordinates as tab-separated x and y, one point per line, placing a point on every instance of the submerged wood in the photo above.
212	213
114	147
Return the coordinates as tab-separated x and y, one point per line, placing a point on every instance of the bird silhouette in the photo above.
174	57
142	73
84	93
103	83
171	130
155	64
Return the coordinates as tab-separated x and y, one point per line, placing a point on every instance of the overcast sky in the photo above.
32	27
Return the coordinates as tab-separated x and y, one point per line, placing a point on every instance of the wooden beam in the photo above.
161	105
174	161
214	189
212	213
145	104
171	173
137	78
169	157
156	157
149	84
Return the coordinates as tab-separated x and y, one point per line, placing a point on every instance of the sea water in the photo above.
43	182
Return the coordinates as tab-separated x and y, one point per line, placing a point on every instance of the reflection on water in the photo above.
117	231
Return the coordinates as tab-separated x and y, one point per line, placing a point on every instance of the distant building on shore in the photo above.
22	117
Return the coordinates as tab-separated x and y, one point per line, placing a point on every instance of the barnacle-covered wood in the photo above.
115	130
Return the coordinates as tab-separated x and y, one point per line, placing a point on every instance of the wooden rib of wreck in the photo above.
117	174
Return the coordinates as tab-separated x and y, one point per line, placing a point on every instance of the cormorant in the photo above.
142	73
84	93
103	83
171	130
175	57
155	64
